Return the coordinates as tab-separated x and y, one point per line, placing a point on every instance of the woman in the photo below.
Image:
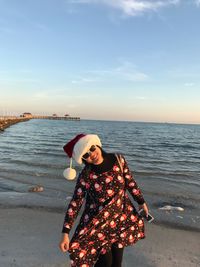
109	221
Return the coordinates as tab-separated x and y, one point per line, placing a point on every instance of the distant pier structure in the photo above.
50	117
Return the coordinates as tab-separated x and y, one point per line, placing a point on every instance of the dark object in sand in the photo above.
37	188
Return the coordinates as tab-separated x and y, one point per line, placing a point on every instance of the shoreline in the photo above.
55	201
39	232
8	121
15	193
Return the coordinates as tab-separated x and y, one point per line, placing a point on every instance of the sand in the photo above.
29	237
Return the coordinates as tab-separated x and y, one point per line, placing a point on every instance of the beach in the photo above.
30	237
165	162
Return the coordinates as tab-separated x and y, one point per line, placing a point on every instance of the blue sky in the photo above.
101	59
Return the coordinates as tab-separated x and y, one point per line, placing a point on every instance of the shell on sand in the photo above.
169	208
37	188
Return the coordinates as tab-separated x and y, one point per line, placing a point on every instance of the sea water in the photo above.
164	158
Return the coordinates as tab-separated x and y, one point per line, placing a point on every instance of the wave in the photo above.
175	146
181	181
38	164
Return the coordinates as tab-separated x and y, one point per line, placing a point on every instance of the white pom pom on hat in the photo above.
76	148
69	173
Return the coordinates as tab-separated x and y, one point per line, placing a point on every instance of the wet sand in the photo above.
29	237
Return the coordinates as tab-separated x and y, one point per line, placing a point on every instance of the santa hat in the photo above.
76	148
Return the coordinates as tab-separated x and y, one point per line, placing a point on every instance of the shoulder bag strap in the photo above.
119	159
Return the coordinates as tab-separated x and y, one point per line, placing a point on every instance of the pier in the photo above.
67	118
6	121
54	116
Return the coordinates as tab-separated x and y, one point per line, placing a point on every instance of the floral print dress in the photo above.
109	217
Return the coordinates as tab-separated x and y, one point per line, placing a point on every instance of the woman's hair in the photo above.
103	154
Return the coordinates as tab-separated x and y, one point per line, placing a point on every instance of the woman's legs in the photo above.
117	256
104	260
113	258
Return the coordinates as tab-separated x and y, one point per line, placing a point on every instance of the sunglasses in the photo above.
92	149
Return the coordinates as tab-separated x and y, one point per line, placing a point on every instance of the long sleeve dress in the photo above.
109	217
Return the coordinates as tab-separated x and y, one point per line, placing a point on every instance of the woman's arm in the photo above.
64	243
75	203
132	187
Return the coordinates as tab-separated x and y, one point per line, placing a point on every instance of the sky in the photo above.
132	60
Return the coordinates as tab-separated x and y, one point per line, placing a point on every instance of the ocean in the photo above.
164	158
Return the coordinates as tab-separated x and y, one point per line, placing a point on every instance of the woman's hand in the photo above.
64	243
145	208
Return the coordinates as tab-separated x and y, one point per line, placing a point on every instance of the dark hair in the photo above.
103	154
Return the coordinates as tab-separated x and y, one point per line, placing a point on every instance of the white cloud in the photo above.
41	95
197	2
141	98
189	84
131	7
125	72
128	71
83	80
134	76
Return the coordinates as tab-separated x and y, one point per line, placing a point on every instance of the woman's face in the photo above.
95	157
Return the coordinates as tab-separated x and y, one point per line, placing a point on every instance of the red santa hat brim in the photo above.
81	144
